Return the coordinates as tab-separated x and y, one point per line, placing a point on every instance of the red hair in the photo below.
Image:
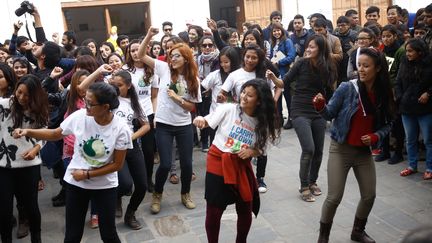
190	68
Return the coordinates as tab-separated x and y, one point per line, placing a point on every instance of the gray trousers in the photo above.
343	157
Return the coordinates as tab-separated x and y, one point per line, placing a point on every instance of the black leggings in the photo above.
77	200
133	171
23	183
148	147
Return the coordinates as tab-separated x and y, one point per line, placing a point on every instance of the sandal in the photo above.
174	179
408	171
306	195
314	188
427	175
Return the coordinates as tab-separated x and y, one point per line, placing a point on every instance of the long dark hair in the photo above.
73	95
23	61
419	65
268	127
324	63
282	38
37	103
385	106
232	54
132	94
148	72
10	77
260	68
257	37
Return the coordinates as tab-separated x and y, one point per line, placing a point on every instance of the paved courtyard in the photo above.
401	205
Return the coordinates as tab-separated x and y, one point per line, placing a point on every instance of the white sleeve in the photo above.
209	81
161	68
68	125
155	81
124	139
228	85
215	118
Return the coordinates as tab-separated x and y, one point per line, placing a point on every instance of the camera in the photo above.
25	7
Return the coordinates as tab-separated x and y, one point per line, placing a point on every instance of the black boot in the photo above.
324	232
130	220
358	232
60	199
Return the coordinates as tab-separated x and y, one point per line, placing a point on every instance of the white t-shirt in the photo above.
125	112
213	81
168	111
144	90
94	147
234	132
235	80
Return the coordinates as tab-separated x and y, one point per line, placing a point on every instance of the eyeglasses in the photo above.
167	29
175	56
88	105
207	45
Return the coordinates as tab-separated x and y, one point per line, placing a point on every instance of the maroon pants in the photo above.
244	221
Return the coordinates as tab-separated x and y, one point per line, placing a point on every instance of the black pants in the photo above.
261	166
203	110
77	200
148	147
133	171
23	183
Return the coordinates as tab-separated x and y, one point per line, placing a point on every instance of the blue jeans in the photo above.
412	124
165	135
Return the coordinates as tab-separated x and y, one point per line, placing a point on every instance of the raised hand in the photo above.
211	24
152	31
56	72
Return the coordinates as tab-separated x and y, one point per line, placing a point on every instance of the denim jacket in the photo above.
342	107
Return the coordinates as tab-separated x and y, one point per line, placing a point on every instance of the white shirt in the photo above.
213	81
125	112
94	147
168	111
235	80
234	132
143	89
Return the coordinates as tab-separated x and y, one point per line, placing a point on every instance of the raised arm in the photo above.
142	51
104	69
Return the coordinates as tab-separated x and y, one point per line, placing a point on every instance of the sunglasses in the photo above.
207	45
167	29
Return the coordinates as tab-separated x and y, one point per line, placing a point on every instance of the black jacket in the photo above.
413	79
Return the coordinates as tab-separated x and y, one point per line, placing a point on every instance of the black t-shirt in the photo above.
308	84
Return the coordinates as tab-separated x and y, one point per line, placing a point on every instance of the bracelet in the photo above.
88	175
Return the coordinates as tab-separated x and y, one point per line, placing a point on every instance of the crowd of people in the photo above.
100	115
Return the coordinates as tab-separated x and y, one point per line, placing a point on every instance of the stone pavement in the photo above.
401	205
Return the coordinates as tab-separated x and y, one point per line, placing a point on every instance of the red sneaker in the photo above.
94	221
376	152
427	175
